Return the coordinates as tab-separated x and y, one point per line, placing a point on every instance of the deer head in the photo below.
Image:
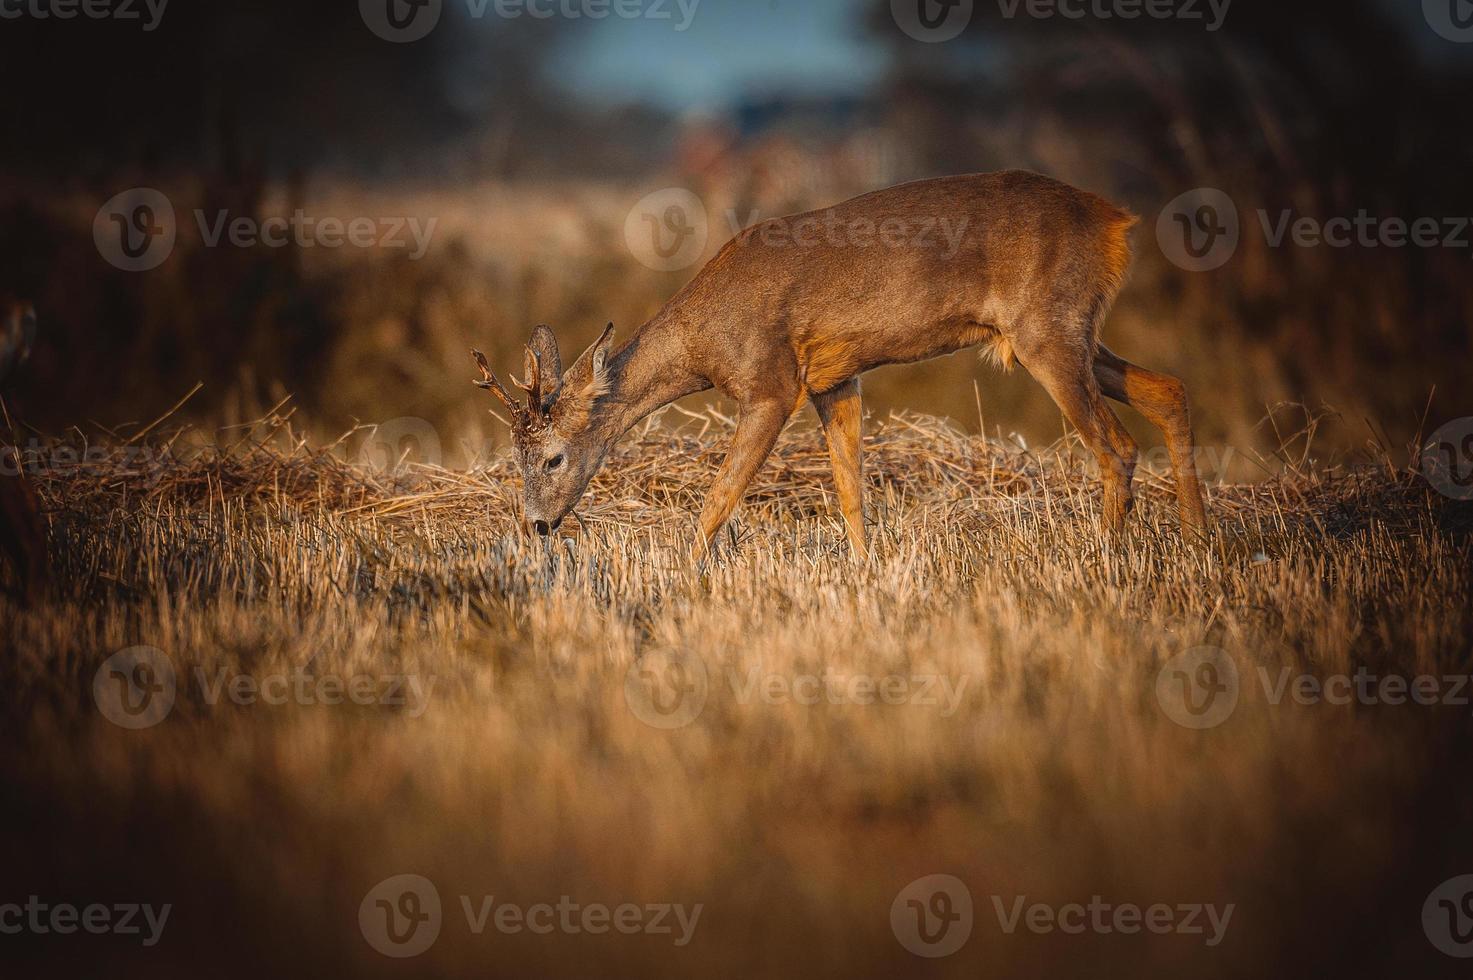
560	434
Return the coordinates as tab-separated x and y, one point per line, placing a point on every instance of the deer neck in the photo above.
649	373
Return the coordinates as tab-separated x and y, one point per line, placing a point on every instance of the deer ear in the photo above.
544	345
600	350
543	368
590	373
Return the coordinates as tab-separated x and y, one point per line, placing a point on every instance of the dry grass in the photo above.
1058	775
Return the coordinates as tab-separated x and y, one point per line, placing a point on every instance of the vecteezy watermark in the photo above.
298	686
138	687
403	21
147	12
135	688
400	21
933	916
837	687
402	917
1104	918
1364	229
389	444
932	21
666	690
829	229
64	919
137	231
146	463
1447	916
1447	459
668	231
1451	19
1212	463
1365	688
1198	688
305	231
669	690
1200	230
1212	13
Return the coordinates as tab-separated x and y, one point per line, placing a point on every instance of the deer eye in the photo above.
555	462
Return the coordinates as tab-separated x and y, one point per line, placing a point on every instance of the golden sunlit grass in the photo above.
1027	753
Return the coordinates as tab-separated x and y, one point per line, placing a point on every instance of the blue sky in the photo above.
734	48
731	47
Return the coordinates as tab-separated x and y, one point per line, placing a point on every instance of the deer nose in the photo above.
542	528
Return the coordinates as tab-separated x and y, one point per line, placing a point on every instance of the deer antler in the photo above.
532	367
488	381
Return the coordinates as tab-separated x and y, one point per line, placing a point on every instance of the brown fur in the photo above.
796	308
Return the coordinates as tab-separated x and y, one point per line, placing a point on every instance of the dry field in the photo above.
787	741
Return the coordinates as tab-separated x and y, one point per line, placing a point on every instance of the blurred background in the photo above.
530	142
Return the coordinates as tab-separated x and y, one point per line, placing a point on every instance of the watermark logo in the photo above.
932	916
149	12
403	21
1103	918
1198	231
63	919
666	690
667	230
1212	13
1201	230
1364	229
307	231
1451	19
389	445
571	917
135	230
932	21
400	916
38	459
300	686
943	692
400	21
135	688
1365	688
1447	459
1198	688
1447	916
828	230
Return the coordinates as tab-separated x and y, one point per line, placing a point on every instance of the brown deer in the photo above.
797	308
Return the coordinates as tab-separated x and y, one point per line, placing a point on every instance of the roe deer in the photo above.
774	319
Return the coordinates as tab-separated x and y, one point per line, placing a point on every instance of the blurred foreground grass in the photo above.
1027	752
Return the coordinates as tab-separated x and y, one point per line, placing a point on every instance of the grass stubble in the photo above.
1052	771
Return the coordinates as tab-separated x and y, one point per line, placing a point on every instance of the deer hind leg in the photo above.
1162	399
1065	373
757	430
840	412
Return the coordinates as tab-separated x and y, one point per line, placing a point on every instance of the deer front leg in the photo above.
841	412
756	433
